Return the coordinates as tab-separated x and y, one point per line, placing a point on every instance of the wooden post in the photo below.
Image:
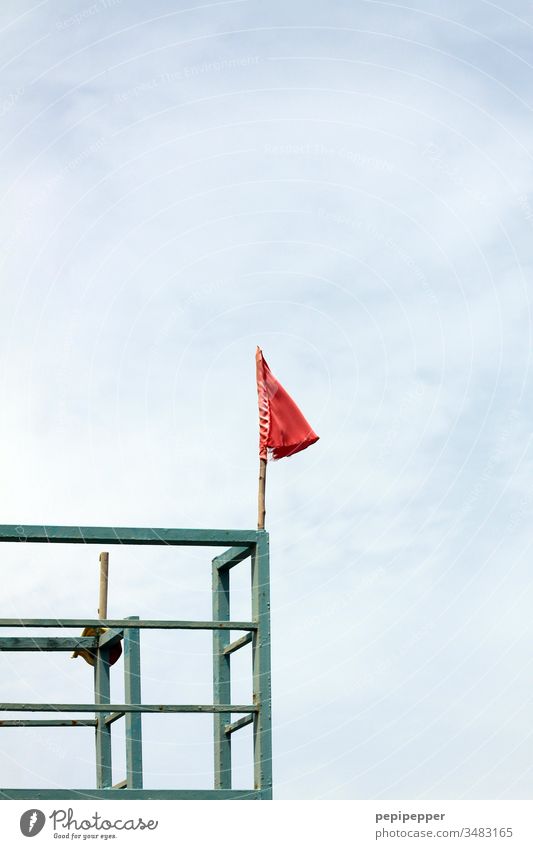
261	510
102	596
104	574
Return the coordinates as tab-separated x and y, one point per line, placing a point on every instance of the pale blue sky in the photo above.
349	185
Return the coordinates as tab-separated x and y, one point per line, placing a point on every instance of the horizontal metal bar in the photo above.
42	723
130	793
113	717
107	708
232	557
238	644
164	624
121	785
47	643
239	723
110	638
125	536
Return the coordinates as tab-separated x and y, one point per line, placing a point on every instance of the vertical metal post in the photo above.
261	667
221	677
102	695
132	694
102	688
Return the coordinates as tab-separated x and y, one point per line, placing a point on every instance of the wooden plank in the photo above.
163	624
125	536
47	643
238	644
124	708
128	793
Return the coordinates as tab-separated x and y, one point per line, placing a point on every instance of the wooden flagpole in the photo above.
261	510
102	600
104	575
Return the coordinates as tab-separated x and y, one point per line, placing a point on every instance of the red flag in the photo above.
283	430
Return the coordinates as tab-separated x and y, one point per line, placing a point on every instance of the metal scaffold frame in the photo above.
241	546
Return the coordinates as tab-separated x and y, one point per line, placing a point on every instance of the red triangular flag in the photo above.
282	428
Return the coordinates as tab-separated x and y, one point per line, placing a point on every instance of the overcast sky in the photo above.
347	184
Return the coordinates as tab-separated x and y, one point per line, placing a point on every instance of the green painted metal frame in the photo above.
102	697
132	690
241	545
